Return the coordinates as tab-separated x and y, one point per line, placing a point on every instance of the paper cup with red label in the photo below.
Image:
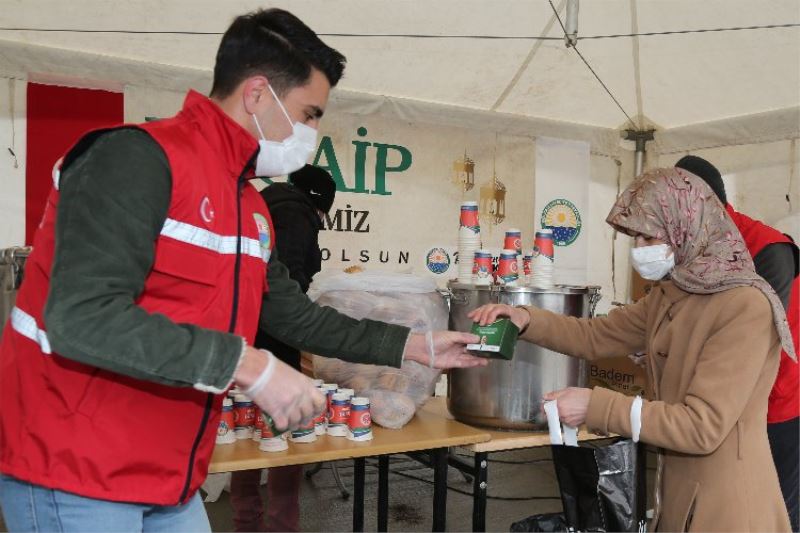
329	389
226	432
244	416
507	268
468	221
271	440
259	425
513	240
483	267
359	425
340	412
544	247
321	421
304	434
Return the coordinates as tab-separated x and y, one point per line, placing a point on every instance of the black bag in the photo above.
602	485
550	522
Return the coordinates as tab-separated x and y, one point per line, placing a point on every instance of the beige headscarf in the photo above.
677	207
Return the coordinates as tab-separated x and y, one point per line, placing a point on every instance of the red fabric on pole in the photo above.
57	117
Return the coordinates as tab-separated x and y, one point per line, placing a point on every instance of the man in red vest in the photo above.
152	268
776	260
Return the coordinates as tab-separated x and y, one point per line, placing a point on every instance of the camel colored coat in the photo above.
712	362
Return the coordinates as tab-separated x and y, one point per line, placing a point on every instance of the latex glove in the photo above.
449	350
573	403
487	314
289	397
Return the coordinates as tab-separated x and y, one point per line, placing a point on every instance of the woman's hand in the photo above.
573	403
488	313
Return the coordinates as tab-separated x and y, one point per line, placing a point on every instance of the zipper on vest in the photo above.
240	183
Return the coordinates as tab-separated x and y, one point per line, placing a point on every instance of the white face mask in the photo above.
653	262
282	158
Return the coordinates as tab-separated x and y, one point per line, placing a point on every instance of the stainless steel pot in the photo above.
507	394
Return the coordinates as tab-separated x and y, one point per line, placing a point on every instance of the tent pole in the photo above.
640	137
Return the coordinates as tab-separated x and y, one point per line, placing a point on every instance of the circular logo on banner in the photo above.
437	260
264	237
564	219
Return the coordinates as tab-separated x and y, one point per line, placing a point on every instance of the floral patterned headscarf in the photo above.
675	206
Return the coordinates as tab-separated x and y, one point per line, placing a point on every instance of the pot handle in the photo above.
594	299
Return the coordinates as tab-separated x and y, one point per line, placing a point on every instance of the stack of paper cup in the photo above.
542	261
507	270
483	269
469	240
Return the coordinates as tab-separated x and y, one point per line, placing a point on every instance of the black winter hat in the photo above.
317	184
705	171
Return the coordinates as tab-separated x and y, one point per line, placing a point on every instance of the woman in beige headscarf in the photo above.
712	330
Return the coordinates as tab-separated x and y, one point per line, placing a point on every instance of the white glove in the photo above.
289	397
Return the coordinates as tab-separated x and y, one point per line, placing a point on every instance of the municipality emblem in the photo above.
437	260
564	219
264	237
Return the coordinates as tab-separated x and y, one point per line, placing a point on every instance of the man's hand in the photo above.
573	403
288	396
449	349
487	314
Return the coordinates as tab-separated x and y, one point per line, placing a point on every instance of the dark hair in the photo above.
706	172
276	44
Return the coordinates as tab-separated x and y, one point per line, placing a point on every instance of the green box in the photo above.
497	339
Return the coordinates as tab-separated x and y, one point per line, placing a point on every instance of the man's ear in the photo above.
254	90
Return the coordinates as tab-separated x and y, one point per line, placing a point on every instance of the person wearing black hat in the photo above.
297	208
776	260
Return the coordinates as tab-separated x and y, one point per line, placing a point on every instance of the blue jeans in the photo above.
28	507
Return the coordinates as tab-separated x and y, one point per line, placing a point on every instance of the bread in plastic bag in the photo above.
400	299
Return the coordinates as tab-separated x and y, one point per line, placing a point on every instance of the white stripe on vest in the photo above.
222	244
25	325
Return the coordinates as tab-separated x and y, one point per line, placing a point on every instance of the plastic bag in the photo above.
602	486
402	299
551	522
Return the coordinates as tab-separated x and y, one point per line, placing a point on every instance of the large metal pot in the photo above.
507	394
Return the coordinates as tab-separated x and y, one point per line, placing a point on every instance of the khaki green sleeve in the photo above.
289	316
113	202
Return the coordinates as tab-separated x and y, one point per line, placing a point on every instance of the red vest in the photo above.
77	428
784	400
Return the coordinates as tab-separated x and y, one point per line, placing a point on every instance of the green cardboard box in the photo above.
497	339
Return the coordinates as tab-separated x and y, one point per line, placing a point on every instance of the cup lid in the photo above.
359	400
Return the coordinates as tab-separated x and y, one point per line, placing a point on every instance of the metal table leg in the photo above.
383	493
358	493
439	457
479	491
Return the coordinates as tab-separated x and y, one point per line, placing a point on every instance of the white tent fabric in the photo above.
747	79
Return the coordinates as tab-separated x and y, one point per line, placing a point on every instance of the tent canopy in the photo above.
747	79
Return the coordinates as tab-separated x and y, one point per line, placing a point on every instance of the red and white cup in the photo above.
340	413
271	441
483	269
359	425
543	246
513	240
226	432
468	221
507	268
244	416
